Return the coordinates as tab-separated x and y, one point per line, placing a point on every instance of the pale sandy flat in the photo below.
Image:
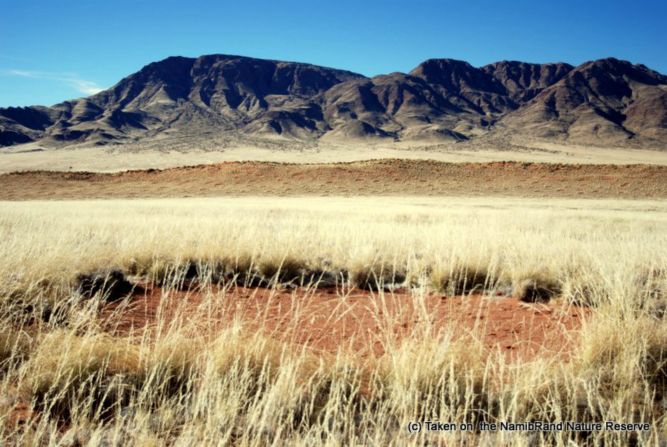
31	157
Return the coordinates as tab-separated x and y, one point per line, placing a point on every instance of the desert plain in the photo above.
225	250
270	302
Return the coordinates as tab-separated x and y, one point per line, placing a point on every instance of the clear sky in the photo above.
51	51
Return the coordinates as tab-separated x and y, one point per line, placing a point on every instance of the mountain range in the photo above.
602	102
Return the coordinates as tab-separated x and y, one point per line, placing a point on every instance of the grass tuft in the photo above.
539	287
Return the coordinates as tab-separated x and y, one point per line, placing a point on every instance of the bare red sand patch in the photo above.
368	323
19	415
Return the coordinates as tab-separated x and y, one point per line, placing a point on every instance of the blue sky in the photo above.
51	51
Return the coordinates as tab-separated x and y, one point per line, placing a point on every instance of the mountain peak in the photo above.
437	68
612	67
602	101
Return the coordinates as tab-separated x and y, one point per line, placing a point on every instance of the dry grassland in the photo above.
73	371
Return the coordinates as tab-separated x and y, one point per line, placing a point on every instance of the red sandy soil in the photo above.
20	414
366	322
378	177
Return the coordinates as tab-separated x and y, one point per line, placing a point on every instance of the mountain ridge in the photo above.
601	102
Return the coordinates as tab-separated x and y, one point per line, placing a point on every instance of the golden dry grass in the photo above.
174	384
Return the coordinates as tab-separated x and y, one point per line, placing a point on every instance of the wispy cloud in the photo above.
71	79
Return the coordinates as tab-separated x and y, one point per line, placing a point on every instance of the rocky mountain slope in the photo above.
603	102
